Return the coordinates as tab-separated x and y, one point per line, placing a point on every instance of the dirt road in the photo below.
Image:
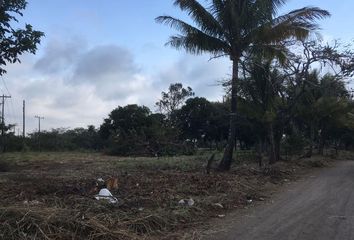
321	207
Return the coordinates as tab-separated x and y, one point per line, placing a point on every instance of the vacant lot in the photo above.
46	195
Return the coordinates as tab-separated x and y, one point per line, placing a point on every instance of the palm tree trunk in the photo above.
226	161
272	153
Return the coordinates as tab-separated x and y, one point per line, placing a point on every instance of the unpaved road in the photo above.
321	207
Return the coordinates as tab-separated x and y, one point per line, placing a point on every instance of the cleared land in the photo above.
46	195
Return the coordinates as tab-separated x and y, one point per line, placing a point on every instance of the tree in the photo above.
133	130
194	118
174	98
261	93
330	107
7	133
235	28
124	120
15	42
124	129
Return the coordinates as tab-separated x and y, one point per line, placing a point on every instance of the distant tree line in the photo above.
276	119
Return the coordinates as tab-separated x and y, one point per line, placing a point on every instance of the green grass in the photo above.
180	163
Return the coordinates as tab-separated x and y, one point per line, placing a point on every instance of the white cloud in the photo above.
72	85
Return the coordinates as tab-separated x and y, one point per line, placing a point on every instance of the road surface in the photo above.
321	207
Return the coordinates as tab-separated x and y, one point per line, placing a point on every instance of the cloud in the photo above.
74	85
103	61
112	70
202	75
59	56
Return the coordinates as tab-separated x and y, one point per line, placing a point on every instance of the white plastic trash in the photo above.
186	202
105	194
181	202
190	202
100	180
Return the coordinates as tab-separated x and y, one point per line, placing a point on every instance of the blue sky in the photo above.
98	54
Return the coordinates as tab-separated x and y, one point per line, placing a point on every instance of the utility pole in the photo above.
39	131
3	97
24	125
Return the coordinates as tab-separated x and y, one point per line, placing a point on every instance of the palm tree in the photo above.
263	91
236	28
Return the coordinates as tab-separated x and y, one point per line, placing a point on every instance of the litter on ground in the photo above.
105	194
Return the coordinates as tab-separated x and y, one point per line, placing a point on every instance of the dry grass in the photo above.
45	195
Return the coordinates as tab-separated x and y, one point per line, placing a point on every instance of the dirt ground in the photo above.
47	195
320	206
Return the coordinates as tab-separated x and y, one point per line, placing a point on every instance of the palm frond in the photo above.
198	43
177	24
297	24
270	7
306	14
192	39
204	19
286	30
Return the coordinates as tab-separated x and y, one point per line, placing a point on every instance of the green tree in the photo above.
14	42
173	99
196	119
236	28
133	130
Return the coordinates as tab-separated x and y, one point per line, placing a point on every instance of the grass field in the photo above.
46	195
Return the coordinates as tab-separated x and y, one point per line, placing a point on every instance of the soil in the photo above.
320	206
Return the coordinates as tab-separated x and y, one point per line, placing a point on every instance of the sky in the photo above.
100	54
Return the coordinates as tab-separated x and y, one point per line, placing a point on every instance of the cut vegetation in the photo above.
46	195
